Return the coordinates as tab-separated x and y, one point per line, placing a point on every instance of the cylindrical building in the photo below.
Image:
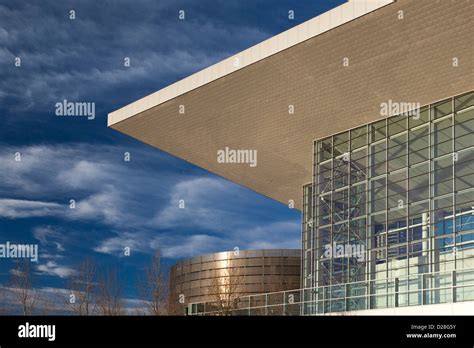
223	277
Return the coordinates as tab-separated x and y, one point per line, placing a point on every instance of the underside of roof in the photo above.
332	77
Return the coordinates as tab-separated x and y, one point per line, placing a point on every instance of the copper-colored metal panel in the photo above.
199	286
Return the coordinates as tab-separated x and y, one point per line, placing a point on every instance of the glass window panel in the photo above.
464	130
418	145
444	244
422	118
442	108
415	233
419	213
324	236
415	249
465	202
441	216
464	169
358	166
378	131
325	149
358	230
341	205
396	189
378	224
378	159
397	152
325	208
442	176
398	252
358	200
325	177
358	137
396	219
442	137
341	143
419	183
341	173
465	220
397	124
464	239
377	191
464	101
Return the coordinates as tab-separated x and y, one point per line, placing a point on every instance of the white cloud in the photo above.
18	208
105	206
218	214
116	245
84	173
62	72
187	246
106	190
48	235
205	206
51	268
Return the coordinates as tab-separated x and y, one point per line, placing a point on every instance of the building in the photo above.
363	117
221	279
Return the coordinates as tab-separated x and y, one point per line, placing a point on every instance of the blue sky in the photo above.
122	204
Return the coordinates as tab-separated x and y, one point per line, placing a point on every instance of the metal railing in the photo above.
410	290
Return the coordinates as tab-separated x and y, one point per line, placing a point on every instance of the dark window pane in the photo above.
464	101
378	159
378	196
358	137
423	118
442	138
397	124
397	152
419	183
378	131
464	169
442	109
464	130
442	176
418	145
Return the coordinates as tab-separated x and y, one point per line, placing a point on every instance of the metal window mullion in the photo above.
453	149
387	143
348	201
406	203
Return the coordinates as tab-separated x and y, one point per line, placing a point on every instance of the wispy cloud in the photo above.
65	69
103	187
217	214
209	203
51	268
18	208
48	235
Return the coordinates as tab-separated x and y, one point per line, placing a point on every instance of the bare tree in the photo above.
224	291
46	305
110	294
153	288
82	287
22	287
4	300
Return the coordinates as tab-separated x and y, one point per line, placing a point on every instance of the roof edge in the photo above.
313	27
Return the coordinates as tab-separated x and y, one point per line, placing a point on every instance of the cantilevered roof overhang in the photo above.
333	71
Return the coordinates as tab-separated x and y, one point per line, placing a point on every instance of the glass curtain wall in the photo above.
390	199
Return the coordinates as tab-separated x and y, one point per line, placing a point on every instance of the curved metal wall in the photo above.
258	271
